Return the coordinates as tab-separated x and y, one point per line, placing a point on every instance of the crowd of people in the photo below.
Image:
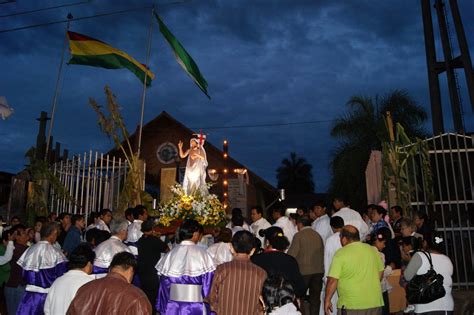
323	260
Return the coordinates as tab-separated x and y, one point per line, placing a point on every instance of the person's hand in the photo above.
12	236
327	307
180	144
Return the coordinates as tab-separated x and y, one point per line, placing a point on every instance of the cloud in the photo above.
265	61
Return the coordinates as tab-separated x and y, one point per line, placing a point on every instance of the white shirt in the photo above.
236	229
102	226
287	309
352	217
133	235
323	227
245	226
7	256
63	290
260	224
442	265
289	230
333	243
220	252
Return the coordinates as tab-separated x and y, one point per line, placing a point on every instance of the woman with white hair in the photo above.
195	175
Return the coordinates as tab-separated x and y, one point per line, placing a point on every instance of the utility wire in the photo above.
266	125
73	19
88	17
45	9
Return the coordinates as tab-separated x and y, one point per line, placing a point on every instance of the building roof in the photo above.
210	148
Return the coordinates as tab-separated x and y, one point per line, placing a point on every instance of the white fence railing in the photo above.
92	180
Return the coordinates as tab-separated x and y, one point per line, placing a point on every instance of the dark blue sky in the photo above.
265	62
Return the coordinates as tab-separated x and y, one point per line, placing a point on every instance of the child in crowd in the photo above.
279	297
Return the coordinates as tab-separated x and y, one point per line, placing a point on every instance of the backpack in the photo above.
423	289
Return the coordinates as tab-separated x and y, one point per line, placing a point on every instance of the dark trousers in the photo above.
369	311
3	302
386	304
314	283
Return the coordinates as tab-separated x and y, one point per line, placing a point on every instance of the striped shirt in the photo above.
236	287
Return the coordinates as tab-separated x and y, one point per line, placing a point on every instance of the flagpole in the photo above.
144	81
56	92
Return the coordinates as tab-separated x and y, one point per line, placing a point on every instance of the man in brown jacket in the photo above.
113	294
308	249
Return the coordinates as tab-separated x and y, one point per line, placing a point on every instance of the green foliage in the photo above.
41	178
399	169
294	175
361	130
133	192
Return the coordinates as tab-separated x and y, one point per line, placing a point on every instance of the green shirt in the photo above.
357	267
4	269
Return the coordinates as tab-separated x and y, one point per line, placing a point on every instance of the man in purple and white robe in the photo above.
42	263
186	274
107	249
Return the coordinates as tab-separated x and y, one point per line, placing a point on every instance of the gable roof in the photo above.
164	116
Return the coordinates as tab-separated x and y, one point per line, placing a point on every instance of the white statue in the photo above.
195	175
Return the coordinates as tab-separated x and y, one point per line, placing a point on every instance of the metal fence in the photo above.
93	182
452	212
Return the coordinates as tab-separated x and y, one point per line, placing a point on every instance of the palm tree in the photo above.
361	130
294	175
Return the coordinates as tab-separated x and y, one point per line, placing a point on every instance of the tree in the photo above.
294	175
133	191
361	130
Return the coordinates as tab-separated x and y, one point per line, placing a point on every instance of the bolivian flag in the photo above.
88	51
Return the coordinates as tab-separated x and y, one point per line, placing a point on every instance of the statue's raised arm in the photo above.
181	153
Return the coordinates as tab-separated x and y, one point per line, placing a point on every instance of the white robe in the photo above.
220	252
133	235
102	226
289	230
323	227
107	250
333	243
352	217
260	224
63	291
195	174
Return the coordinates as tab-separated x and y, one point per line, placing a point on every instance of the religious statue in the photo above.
195	174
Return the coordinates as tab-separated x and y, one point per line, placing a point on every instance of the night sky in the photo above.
266	62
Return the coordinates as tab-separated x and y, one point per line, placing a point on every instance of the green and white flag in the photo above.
183	58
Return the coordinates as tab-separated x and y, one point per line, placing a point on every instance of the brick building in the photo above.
159	150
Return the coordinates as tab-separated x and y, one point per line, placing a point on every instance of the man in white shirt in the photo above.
237	212
350	216
140	214
289	229
63	290
321	220
259	223
333	243
104	221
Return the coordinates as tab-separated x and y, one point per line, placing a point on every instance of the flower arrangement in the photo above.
206	209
